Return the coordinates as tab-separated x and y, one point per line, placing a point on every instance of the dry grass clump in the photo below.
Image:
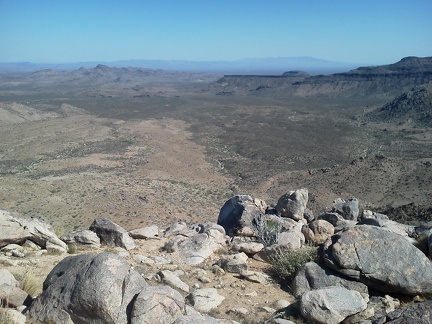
30	283
72	248
5	317
286	261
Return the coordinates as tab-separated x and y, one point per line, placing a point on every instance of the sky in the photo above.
360	32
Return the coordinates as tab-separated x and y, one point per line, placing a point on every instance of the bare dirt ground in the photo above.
70	170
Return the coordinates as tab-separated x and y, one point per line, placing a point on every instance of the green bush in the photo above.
266	231
286	261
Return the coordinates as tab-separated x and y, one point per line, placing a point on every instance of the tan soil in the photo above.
70	170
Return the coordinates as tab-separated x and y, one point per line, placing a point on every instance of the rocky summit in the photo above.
363	267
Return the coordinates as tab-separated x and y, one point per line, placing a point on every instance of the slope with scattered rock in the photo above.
196	273
412	108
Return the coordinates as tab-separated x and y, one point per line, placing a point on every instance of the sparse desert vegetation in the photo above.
114	145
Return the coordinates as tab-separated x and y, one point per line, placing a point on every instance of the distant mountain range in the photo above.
385	80
272	65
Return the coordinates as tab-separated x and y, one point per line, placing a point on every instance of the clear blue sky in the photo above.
350	31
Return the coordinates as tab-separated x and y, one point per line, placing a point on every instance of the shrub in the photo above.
286	261
266	231
72	248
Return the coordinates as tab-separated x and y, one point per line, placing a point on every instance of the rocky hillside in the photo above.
413	108
345	265
386	81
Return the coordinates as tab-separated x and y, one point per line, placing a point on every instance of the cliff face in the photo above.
386	80
251	84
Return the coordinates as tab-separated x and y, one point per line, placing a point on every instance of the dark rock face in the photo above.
314	276
380	259
88	288
414	313
112	234
237	213
349	209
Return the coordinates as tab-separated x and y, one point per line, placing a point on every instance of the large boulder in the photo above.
238	214
207	239
348	209
293	239
112	234
11	231
314	276
380	259
381	220
144	233
157	304
82	237
318	231
14	229
88	288
331	305
293	204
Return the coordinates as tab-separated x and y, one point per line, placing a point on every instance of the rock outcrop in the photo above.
237	215
314	276
331	305
196	268
373	256
88	288
112	234
157	304
14	229
293	204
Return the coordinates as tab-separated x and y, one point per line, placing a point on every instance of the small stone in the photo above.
281	303
172	280
205	299
239	310
204	279
268	309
